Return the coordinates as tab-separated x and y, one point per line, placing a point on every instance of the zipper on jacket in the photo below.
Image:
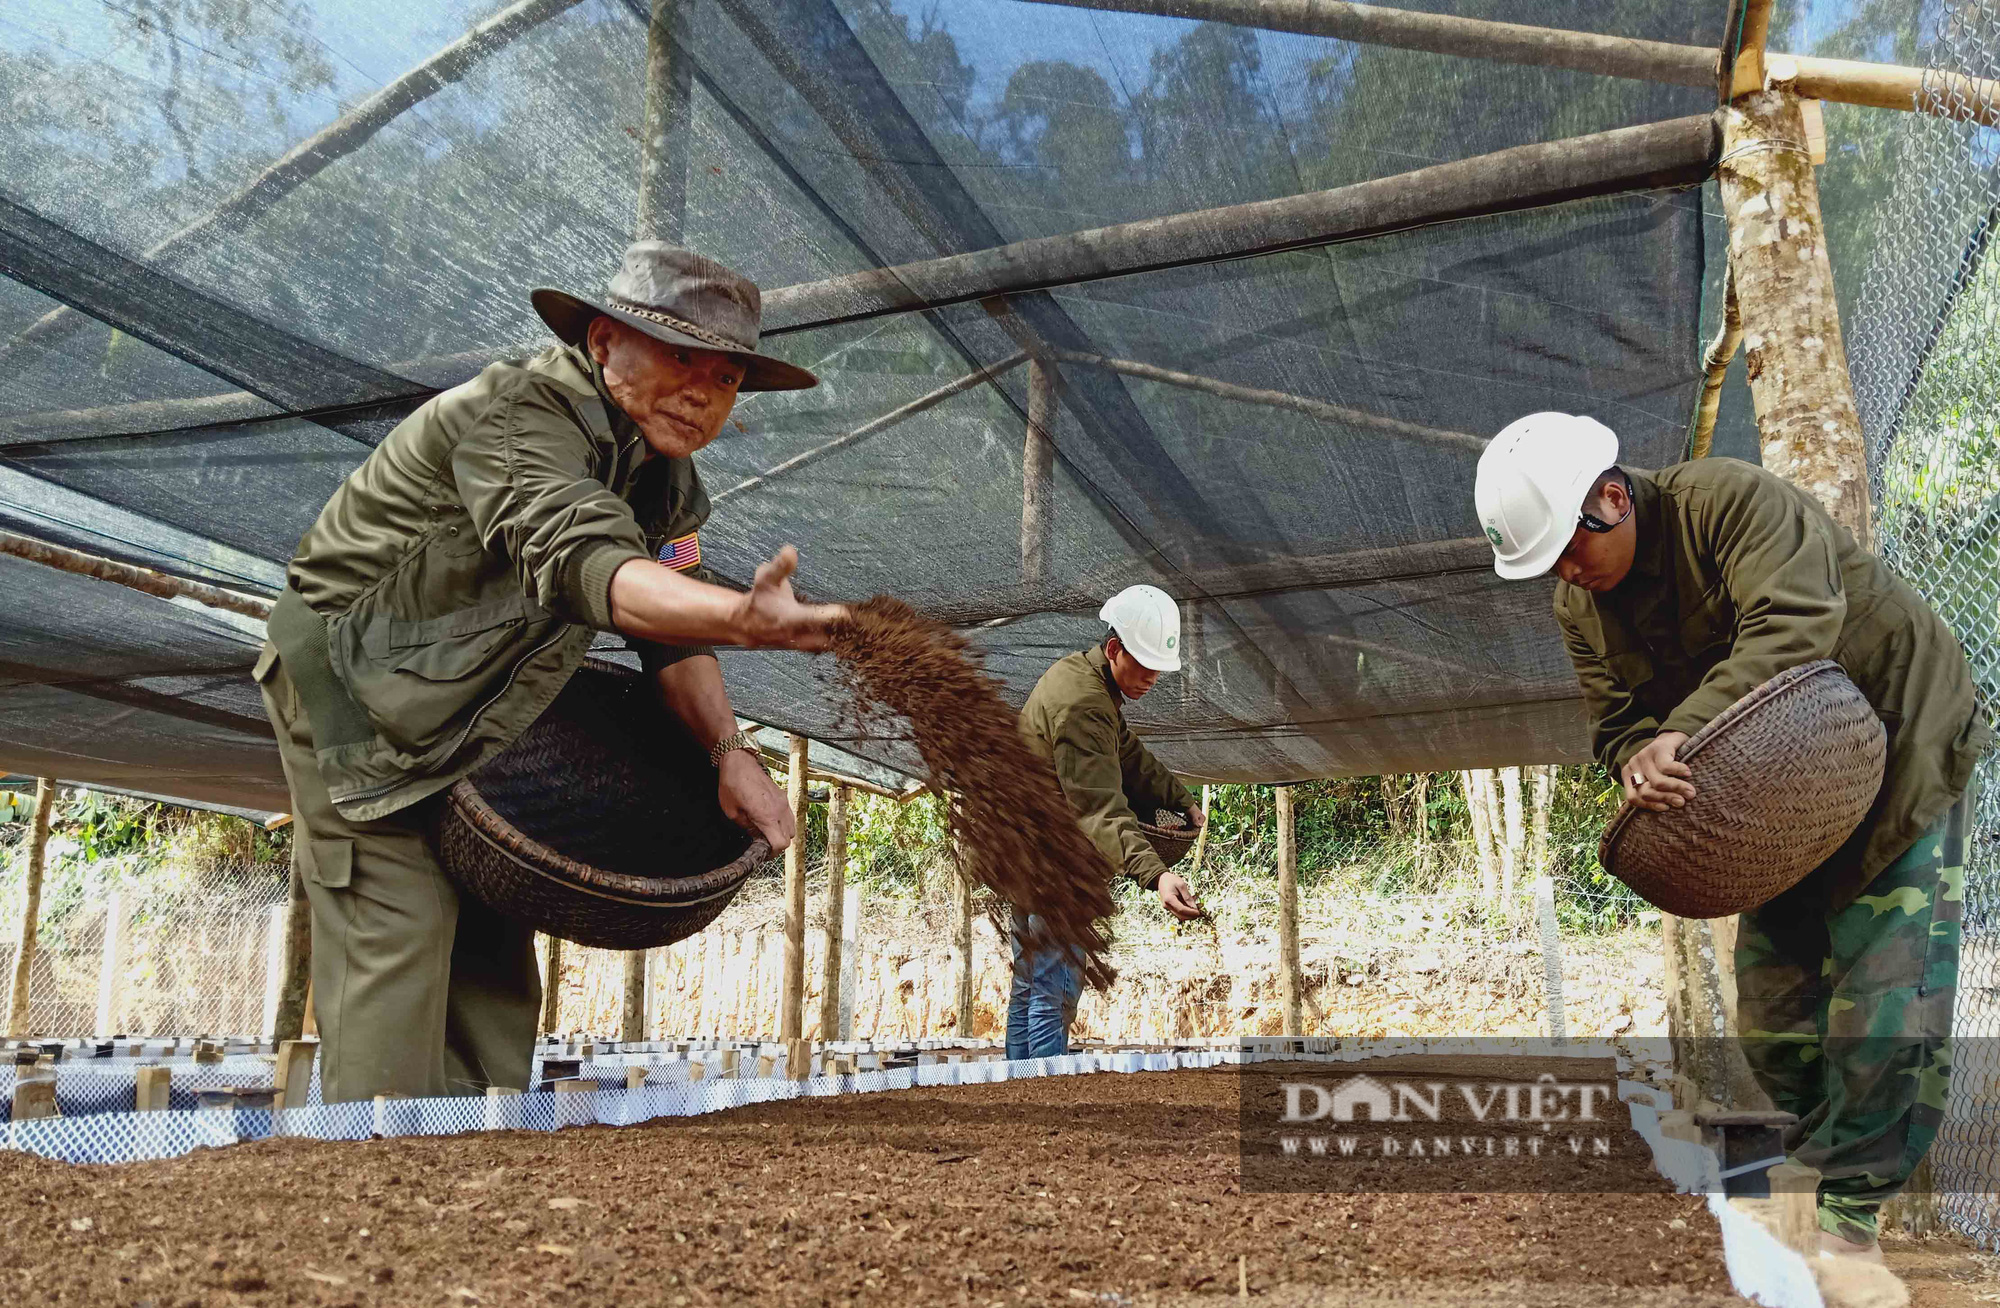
562	633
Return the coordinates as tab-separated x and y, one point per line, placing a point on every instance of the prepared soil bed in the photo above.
1113	1189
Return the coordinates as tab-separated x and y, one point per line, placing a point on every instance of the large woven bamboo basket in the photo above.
1170	843
600	824
1783	777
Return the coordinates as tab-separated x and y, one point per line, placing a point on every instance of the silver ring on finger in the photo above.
1638	778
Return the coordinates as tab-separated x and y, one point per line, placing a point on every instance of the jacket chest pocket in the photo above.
452	532
455	646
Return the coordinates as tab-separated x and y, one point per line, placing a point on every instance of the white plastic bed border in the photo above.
1760	1268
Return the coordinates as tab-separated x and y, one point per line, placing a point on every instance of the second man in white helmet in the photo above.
1076	719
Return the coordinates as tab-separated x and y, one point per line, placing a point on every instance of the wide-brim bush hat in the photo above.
678	296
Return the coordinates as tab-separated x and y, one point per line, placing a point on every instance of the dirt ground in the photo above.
1944	1271
1103	1189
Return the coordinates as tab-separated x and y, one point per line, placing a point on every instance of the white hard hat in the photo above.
1533	479
1148	623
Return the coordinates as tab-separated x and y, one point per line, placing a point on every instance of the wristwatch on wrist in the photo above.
729	745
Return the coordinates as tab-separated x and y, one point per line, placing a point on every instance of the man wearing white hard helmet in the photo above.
1682	590
1076	719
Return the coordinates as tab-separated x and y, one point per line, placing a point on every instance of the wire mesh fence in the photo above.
175	949
1926	363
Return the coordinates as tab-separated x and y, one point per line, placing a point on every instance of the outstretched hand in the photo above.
772	616
1177	897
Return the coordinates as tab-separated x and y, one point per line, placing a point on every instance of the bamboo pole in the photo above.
1808	426
1038	461
1675	152
1845	81
875	426
836	920
1463	442
64	559
1715	366
961	950
1290	992
330	144
663	168
31	908
1201	836
1755	30
552	985
297	966
791	1011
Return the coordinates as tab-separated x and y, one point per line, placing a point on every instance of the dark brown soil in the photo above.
1943	1271
1103	1189
1016	832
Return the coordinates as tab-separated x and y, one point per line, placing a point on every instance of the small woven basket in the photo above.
1171	843
1782	777
600	824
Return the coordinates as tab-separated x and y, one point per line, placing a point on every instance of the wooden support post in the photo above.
1701	1014
961	951
552	986
633	1025
635	1077
152	1089
1201	837
296	966
111	966
850	961
1289	992
293	1077
31	908
1038	461
836	915
35	1097
791	1012
1807	424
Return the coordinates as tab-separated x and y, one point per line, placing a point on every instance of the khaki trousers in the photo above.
417	992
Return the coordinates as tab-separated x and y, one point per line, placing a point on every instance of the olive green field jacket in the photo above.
1740	575
454	581
1075	718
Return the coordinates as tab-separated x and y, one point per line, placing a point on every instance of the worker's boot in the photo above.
1834	1246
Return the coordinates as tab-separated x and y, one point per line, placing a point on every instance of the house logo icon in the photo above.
1359	1092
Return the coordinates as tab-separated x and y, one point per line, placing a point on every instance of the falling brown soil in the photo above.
1107	1189
1014	829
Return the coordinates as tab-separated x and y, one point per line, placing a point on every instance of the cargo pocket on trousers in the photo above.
330	863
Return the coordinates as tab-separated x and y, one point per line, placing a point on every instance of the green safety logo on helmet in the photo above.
1493	534
1171	640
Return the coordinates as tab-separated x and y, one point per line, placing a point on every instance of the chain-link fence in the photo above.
151	949
1925	352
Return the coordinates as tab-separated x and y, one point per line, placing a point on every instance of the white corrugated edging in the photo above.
1760	1267
128	1137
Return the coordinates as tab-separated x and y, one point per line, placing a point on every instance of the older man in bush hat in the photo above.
446	593
1681	591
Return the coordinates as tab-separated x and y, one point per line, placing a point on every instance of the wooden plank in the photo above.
34	1098
296	967
31	909
293	1076
552	986
961	952
1751	34
791	1010
1289	990
151	1089
633	1018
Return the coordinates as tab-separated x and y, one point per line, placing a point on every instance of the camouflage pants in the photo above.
1846	1021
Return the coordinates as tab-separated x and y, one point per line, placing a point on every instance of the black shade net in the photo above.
230	271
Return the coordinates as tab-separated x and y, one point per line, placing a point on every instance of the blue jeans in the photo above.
1042	1006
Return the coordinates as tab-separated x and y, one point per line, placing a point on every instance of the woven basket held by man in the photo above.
1075	718
447	592
1682	590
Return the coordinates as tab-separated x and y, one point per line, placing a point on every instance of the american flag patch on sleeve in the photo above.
682	553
